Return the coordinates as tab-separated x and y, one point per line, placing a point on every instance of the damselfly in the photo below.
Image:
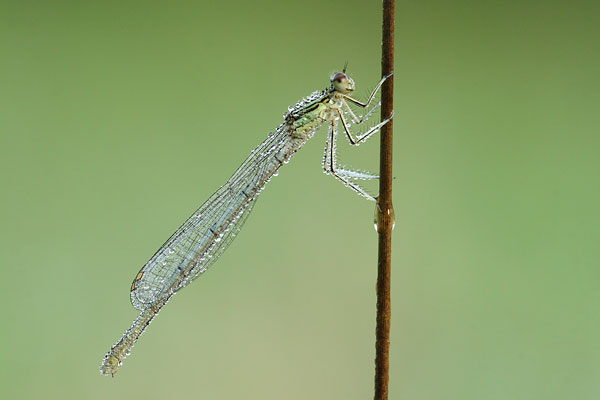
206	234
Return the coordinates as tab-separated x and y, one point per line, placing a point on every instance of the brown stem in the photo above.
385	209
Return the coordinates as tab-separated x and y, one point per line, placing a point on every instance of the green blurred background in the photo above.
119	118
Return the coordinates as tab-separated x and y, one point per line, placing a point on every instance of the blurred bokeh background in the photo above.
119	118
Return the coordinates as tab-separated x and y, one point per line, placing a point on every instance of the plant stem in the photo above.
385	209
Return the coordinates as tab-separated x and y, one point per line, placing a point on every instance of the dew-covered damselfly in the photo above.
199	242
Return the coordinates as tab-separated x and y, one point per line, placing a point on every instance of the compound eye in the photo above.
338	77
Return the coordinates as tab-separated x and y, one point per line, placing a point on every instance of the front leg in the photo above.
364	105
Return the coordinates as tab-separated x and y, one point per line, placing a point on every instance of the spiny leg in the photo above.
329	166
357	120
367	134
327	154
